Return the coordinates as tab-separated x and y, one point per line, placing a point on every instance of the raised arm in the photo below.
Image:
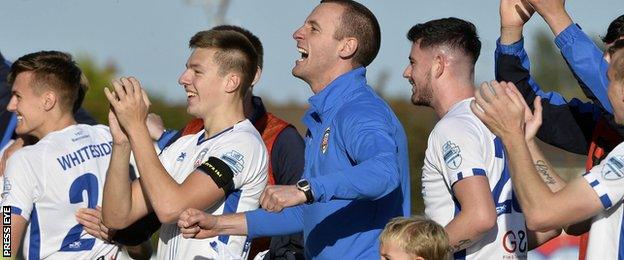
583	57
544	168
209	182
123	200
567	124
502	111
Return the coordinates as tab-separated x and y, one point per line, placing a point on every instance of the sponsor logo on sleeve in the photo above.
235	160
452	155
614	168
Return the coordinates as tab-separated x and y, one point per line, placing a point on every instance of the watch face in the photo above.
303	183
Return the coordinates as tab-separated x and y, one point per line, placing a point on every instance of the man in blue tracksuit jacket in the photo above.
356	174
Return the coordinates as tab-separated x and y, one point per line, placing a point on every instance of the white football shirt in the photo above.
606	237
242	148
48	182
459	147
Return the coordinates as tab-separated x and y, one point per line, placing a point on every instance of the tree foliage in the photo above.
174	115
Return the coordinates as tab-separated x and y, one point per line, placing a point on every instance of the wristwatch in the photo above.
304	185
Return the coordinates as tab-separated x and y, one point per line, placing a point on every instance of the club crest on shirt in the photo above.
614	168
452	155
235	160
200	157
325	141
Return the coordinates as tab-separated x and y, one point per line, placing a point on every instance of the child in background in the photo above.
413	238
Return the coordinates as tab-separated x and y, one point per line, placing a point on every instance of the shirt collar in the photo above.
336	91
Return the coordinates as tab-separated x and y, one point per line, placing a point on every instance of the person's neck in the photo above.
54	124
223	117
452	93
319	83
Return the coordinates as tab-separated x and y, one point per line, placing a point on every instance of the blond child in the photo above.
413	238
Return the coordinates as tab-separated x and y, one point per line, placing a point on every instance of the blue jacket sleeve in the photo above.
261	223
517	50
567	125
587	63
369	142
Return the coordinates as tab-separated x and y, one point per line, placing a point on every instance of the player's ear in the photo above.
438	65
348	47
232	82
49	100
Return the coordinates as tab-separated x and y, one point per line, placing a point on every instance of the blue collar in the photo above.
336	92
202	138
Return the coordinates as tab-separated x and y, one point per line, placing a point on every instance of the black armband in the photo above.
220	172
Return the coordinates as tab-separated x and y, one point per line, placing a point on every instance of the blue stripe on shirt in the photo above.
478	172
621	241
16	210
594	183
35	236
231	204
606	201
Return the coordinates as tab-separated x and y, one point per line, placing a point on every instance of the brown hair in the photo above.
359	22
56	71
417	235
617	62
453	32
253	39
234	53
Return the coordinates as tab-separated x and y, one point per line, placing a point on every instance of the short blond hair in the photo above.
417	235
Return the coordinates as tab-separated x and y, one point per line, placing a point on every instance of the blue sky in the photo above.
148	39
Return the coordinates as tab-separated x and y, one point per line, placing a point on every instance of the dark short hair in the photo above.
617	64
452	32
615	30
255	41
56	71
359	22
234	53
